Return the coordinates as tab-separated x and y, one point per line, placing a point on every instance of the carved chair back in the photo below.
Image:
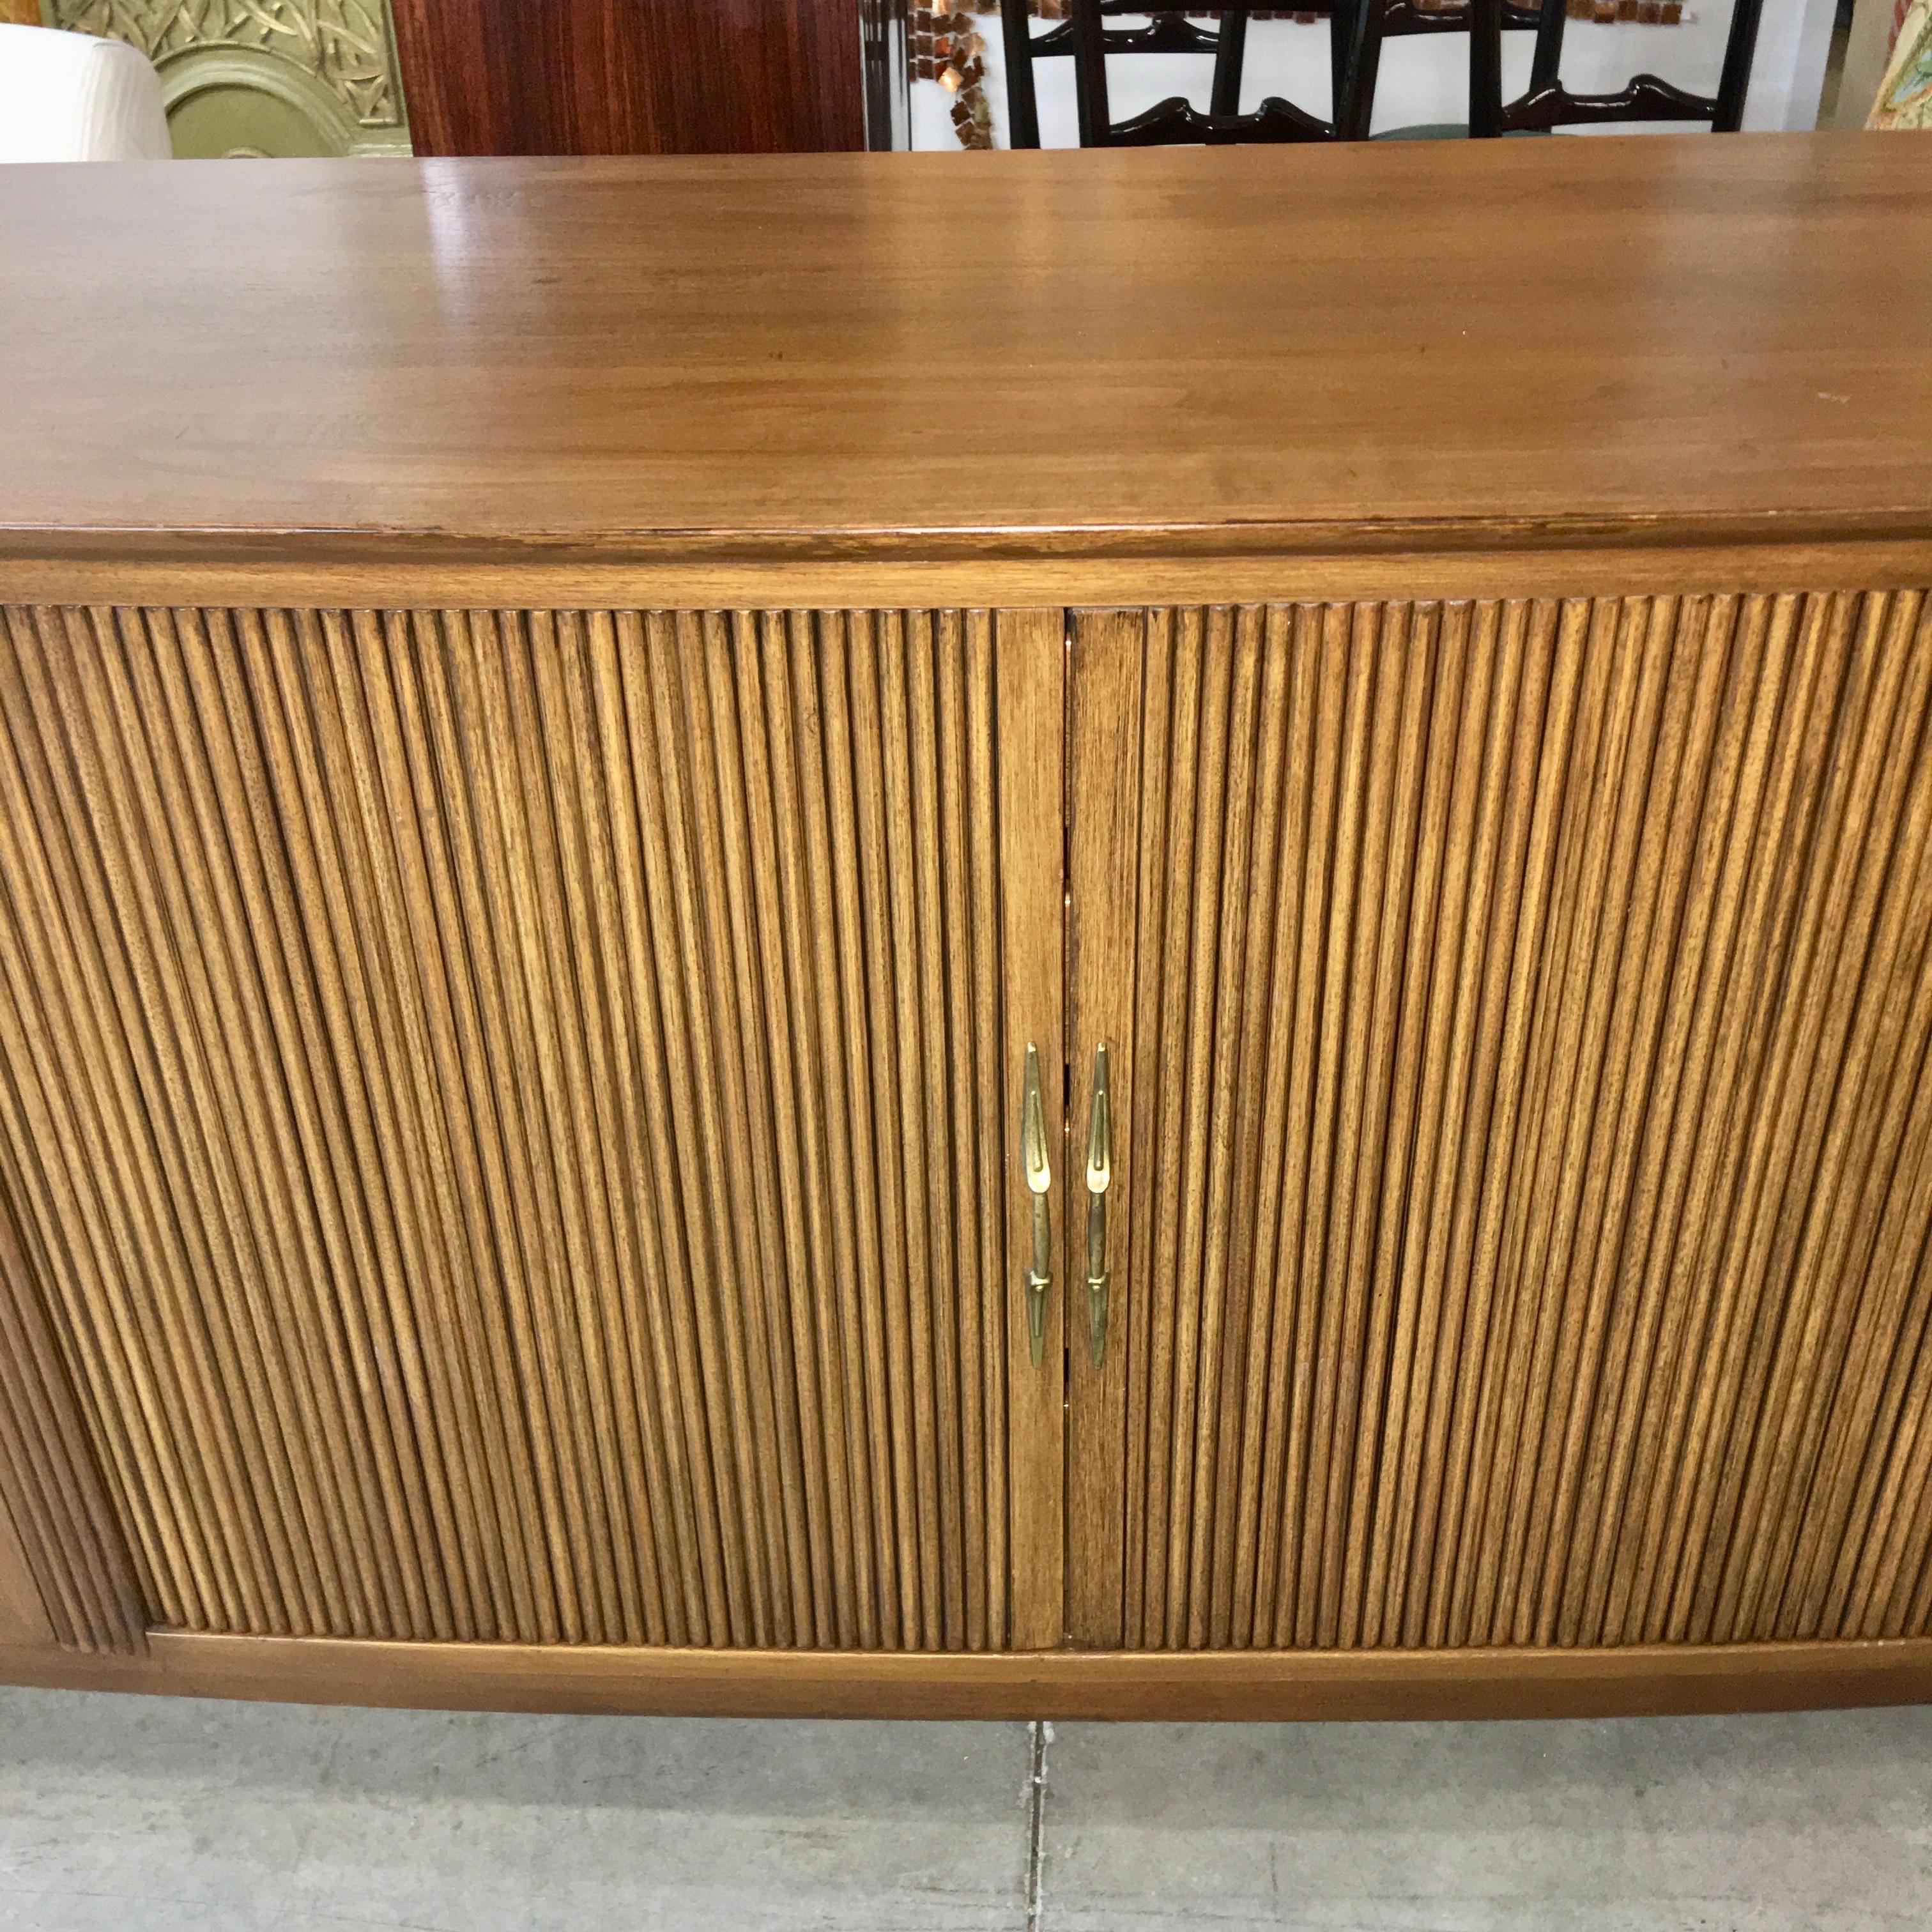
1548	104
1085	36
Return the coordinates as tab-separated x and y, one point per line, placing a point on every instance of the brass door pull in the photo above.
1099	1178
1039	1178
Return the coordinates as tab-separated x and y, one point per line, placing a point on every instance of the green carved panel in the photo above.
263	77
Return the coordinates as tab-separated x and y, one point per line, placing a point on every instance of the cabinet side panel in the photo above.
1533	1062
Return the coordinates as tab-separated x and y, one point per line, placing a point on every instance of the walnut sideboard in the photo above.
1125	934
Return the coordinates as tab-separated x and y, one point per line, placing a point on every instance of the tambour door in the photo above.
509	1123
1521	1122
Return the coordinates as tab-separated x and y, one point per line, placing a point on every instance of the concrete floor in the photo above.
133	1815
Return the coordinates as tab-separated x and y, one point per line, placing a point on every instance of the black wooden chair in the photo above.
1548	104
1085	37
1376	21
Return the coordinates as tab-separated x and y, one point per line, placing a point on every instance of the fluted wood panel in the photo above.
62	1552
506	1112
1529	1174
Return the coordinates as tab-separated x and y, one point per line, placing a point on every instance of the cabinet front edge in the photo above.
162	578
1469	1683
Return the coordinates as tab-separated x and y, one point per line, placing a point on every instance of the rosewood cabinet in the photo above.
637	76
644	1066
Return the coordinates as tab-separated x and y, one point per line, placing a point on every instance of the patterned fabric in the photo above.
1905	94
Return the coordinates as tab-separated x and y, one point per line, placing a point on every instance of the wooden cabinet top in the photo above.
874	355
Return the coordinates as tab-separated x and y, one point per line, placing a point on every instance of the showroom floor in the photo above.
121	1814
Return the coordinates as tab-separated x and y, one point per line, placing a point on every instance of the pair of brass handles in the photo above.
1039	1172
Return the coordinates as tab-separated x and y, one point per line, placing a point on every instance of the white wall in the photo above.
1426	78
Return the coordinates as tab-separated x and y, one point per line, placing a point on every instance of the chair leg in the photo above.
1022	99
1547	60
1090	73
1734	84
1360	67
1341	45
1486	67
1230	52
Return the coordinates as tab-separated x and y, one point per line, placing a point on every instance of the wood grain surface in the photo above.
1169	1685
1107	855
1031	722
1208	351
512	1117
631	77
1530	1176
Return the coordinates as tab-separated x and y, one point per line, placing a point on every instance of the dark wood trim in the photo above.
1685	1680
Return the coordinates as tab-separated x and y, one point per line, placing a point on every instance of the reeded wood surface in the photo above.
1530	1171
24	1623
65	1574
1189	351
508	1113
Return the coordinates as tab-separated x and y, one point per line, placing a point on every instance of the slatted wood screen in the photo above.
505	1111
1529	1170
